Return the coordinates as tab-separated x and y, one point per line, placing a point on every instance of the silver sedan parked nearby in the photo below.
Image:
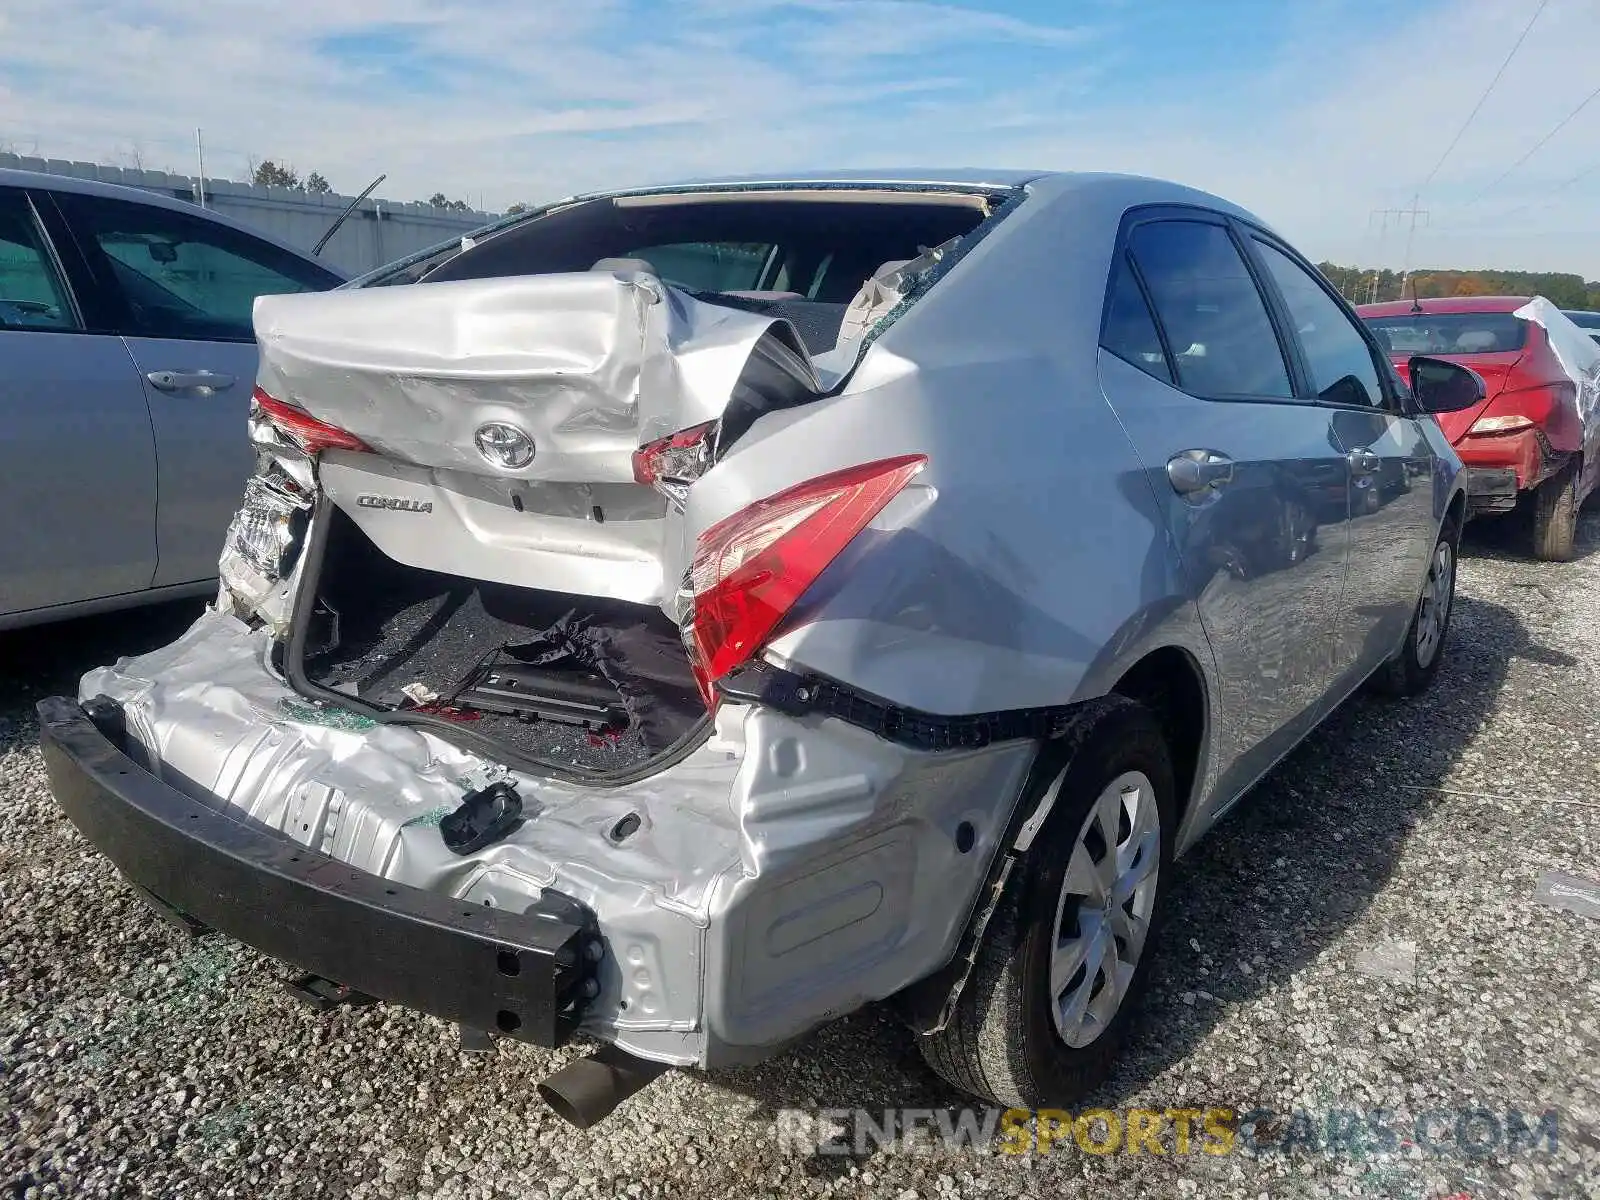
686	615
126	358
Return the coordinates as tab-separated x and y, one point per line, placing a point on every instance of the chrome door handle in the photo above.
1196	470
1363	462
178	381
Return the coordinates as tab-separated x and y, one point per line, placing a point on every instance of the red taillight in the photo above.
751	568
304	430
681	458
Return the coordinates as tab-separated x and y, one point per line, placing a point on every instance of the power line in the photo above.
1560	125
1544	201
1517	45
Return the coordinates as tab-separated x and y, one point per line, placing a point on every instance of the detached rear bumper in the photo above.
524	974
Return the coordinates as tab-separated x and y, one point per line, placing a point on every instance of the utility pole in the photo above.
200	155
1411	216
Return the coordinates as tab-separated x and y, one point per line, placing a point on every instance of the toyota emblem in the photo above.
504	446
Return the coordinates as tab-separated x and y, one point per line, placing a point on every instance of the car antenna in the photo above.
1416	305
342	217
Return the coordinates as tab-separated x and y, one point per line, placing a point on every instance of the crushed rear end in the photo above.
483	719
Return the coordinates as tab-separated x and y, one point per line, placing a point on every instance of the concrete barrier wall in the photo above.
379	231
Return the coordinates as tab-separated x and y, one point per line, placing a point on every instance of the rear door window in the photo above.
1341	363
183	276
1223	342
32	295
1130	329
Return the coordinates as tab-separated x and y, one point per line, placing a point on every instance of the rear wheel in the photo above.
1555	516
1065	958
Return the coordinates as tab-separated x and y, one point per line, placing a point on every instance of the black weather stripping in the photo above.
796	695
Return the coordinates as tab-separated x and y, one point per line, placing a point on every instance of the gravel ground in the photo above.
1405	837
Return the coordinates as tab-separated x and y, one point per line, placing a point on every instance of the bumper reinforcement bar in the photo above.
525	975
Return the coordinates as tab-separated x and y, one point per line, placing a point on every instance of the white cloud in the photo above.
528	100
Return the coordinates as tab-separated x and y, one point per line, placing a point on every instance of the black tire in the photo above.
1555	516
1410	671
1001	1044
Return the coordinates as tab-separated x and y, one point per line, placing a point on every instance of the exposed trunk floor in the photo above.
438	637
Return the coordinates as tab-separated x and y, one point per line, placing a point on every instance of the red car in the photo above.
1526	438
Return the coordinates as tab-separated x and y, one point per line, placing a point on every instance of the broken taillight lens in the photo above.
751	568
304	430
671	464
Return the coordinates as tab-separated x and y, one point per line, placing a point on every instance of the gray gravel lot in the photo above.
1405	837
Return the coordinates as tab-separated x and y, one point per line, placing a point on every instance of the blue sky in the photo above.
1311	112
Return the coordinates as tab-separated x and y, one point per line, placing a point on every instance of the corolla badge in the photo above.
394	503
503	445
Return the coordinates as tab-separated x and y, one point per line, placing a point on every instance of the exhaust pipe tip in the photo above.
586	1092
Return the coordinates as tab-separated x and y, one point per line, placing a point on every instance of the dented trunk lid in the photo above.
504	413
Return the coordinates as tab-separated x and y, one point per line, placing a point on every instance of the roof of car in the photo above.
40	181
1443	304
1133	189
894	176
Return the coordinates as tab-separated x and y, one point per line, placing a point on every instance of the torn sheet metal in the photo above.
1579	356
590	365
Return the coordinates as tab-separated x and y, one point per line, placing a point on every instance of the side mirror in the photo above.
1444	387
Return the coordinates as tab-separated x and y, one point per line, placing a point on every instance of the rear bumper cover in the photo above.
1491	489
1527	459
525	975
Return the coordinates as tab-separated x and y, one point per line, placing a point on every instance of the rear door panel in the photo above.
1263	555
181	288
1264	543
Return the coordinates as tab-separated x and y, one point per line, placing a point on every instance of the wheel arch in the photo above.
1169	682
1455	512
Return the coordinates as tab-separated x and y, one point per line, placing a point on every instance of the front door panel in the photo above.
77	471
1391	535
77	461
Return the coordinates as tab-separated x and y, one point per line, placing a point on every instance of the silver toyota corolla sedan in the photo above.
682	616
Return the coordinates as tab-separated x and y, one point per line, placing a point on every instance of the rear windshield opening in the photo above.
802	256
1450	333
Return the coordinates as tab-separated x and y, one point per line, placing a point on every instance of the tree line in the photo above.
273	174
1363	285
